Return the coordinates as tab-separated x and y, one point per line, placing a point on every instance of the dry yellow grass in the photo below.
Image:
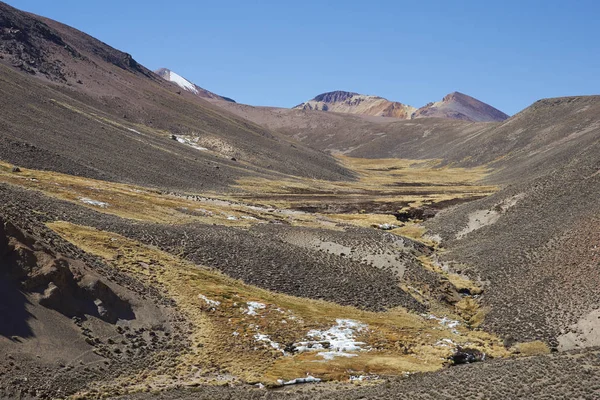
145	204
395	181
399	341
381	176
534	348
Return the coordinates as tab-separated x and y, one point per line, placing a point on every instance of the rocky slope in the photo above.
354	103
183	83
460	106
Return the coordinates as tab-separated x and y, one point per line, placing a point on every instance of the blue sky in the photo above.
280	53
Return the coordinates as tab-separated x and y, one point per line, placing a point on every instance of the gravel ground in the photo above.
557	376
256	256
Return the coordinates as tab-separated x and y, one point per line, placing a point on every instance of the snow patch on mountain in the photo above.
182	82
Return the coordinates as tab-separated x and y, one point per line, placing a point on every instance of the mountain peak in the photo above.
457	105
189	86
355	103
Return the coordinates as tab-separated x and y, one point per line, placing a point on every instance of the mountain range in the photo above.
453	106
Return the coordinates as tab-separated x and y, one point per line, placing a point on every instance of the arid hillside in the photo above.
72	103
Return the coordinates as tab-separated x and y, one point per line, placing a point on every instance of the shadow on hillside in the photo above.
14	316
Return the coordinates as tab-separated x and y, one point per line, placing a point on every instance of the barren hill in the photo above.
460	106
354	103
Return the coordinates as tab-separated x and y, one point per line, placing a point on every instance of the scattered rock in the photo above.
467	356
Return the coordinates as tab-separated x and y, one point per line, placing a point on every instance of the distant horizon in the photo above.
507	55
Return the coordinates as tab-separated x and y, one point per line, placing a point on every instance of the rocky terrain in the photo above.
160	241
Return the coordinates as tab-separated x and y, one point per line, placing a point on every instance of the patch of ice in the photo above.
232	218
361	378
92	202
253	306
338	340
330	355
387	227
308	379
182	82
444	321
260	337
191	143
445	343
212	303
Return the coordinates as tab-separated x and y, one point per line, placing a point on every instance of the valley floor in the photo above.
290	281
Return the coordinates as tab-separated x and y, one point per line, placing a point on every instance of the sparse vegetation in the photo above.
400	341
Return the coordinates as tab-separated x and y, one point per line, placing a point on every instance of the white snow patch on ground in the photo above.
182	82
191	143
212	303
134	131
253	306
445	343
387	227
361	378
444	321
308	379
92	202
260	337
340	338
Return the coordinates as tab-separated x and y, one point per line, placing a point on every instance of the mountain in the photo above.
354	103
453	106
183	83
460	106
106	116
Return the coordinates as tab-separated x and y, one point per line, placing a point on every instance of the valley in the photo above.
159	240
257	317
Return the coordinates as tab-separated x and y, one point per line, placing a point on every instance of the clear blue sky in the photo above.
280	53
